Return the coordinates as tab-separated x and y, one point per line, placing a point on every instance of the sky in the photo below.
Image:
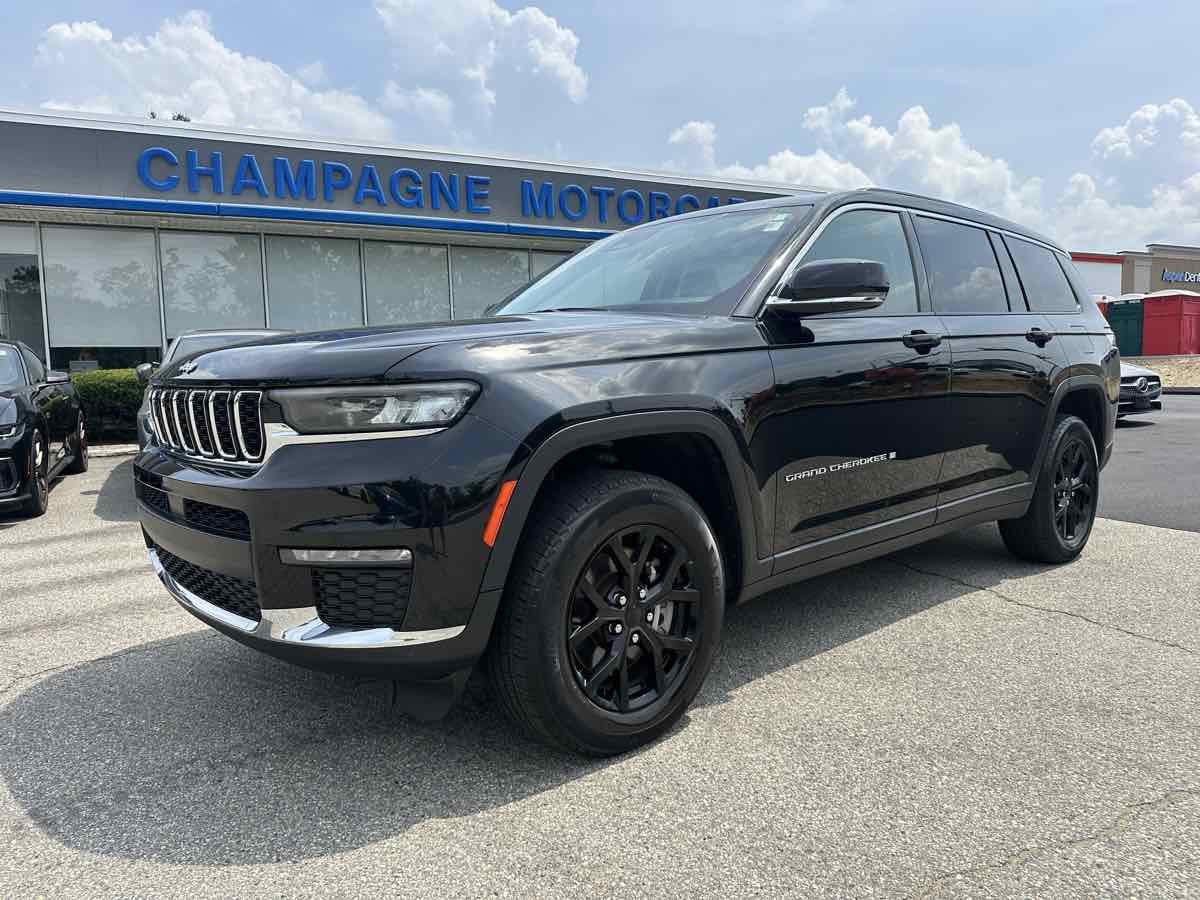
1079	119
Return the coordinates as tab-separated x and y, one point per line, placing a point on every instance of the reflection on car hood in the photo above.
1128	370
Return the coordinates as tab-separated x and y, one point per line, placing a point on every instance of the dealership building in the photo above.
118	235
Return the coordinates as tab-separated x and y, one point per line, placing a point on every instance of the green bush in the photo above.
110	400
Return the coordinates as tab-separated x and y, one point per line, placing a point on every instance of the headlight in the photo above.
375	407
7	431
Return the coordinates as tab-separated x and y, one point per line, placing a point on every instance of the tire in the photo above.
563	636
1059	521
79	445
38	477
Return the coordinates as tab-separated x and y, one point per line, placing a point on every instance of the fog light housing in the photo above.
386	556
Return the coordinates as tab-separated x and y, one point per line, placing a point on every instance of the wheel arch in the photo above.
1083	396
599	437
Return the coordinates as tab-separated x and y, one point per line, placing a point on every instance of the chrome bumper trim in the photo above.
299	627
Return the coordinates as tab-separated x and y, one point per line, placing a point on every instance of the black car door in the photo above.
1004	362
851	438
50	400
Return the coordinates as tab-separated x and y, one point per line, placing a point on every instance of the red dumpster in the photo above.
1102	305
1171	325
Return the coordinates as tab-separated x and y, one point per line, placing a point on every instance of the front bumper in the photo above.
431	494
1133	401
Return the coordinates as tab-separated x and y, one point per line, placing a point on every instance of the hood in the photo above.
472	345
1129	370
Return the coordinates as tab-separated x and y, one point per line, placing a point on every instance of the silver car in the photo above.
186	344
1141	391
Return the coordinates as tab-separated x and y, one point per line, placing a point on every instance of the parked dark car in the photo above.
188	344
42	430
684	415
1141	391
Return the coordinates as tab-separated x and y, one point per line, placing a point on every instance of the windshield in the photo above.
188	344
698	265
11	373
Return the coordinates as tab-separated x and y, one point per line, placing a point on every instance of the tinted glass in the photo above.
877	236
1042	277
406	283
20	287
964	276
211	281
33	365
101	287
483	275
697	265
314	283
11	373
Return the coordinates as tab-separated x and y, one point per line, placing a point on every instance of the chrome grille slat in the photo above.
214	425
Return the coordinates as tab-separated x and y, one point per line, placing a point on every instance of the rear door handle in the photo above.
1039	337
921	341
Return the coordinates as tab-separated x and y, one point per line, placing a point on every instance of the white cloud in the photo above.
1140	204
184	67
464	47
313	74
430	104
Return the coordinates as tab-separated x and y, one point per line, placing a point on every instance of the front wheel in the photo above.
1058	523
38	477
612	613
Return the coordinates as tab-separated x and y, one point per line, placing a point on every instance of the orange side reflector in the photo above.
497	516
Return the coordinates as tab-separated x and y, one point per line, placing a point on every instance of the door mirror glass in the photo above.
55	377
832	285
144	371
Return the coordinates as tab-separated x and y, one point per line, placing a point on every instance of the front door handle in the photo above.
921	341
1039	337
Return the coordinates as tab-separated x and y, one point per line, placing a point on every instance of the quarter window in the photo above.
1046	286
964	276
876	236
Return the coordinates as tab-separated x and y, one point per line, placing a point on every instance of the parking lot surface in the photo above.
944	722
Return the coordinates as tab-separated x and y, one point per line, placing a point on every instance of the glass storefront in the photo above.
21	288
211	278
116	295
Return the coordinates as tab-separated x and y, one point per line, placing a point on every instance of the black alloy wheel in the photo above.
39	476
612	612
633	621
80	452
1075	482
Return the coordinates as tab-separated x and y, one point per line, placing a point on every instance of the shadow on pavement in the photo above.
195	750
115	502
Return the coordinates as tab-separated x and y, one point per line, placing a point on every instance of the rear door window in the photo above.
877	236
1046	285
964	276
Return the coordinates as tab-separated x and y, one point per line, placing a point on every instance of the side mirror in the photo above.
144	371
56	377
832	285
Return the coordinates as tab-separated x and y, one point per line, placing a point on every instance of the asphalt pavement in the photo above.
948	721
1154	476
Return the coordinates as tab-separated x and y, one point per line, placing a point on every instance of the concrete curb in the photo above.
106	450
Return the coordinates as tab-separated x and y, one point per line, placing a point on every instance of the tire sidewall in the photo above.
1070	429
38	496
666	508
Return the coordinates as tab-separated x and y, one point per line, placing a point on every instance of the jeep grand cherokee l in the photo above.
684	415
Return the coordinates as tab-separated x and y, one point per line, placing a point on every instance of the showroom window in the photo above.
314	283
483	276
406	283
101	297
211	281
542	261
20	287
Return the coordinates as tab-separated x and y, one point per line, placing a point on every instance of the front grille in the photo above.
154	498
218	425
8	476
233	595
362	598
233	522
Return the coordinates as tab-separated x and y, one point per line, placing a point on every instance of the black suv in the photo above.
684	415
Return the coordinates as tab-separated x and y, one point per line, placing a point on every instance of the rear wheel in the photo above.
38	477
612	613
79	444
1058	523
